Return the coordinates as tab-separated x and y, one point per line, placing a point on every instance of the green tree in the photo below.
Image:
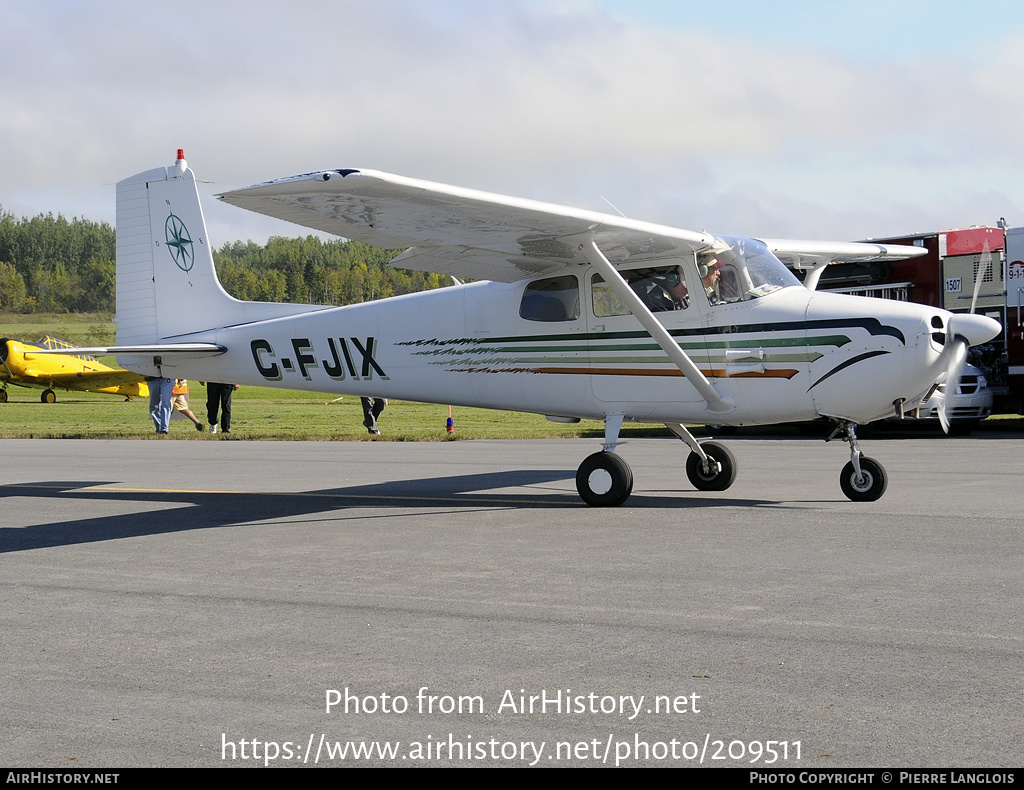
12	289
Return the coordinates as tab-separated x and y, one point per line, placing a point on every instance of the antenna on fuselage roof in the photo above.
606	200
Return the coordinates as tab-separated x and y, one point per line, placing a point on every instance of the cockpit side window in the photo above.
551	299
605	301
741	269
661	289
718	280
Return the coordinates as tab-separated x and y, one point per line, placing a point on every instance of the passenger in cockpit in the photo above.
710	275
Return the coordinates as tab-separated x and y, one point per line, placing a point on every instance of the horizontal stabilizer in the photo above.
168	348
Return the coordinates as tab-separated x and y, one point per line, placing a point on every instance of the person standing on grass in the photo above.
160	403
372	409
218	396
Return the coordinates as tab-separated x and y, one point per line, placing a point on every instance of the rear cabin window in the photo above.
553	299
606	302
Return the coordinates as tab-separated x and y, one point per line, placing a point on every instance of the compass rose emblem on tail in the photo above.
179	243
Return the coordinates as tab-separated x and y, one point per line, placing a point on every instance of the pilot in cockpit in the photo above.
662	290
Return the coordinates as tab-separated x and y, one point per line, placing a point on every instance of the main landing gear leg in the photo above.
604	479
863	479
709	466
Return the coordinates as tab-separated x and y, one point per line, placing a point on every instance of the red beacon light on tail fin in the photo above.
180	164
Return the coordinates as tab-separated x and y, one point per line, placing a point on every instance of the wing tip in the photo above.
316	175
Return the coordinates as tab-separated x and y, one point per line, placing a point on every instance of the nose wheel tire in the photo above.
48	396
714	479
604	480
869	485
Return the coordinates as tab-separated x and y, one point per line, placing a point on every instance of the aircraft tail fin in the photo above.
167	286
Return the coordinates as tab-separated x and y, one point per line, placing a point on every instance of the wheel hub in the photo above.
600	481
710	469
863	481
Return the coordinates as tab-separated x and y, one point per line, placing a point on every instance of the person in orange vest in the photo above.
179	402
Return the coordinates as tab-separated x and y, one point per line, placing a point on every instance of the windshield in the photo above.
746	270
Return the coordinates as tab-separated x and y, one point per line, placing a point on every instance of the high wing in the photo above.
813	257
468	233
461	232
808	254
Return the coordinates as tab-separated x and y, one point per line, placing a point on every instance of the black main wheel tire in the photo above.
3	396
867	488
604	480
715	481
48	396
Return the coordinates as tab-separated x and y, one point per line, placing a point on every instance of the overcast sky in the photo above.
837	120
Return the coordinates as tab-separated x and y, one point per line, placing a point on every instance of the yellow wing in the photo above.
20	366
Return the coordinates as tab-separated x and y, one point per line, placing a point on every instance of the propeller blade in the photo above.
962	331
983	269
957	348
3	357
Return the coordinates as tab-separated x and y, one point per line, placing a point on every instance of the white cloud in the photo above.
726	131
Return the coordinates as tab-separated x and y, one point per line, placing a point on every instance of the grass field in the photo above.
80	329
274	414
257	412
261	413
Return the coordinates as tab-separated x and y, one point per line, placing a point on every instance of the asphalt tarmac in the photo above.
176	603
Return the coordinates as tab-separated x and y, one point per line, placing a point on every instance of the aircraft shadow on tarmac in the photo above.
196	510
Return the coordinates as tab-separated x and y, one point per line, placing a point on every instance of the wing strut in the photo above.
814	274
617	283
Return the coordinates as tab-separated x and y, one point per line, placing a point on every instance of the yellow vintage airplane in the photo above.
71	371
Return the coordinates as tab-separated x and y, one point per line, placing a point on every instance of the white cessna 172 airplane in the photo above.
577	315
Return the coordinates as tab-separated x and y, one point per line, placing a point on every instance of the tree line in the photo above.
50	264
311	271
54	265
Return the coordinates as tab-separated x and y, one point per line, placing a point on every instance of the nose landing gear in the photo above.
863	479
